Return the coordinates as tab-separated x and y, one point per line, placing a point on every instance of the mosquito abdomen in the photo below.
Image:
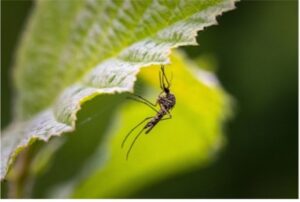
150	125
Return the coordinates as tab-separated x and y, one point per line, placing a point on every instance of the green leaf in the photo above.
72	52
189	140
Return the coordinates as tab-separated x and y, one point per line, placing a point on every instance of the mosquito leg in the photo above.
165	118
136	137
170	116
146	103
161	81
154	105
164	76
133	130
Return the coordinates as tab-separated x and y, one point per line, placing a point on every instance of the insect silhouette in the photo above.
166	101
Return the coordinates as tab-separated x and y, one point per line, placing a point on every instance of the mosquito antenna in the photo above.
130	148
133	130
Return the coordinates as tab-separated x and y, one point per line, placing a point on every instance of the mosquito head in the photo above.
166	90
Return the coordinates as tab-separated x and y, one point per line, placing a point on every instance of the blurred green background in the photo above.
255	47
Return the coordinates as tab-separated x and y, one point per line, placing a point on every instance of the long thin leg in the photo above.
154	105
164	73
133	130
166	118
170	116
161	81
146	103
136	137
164	76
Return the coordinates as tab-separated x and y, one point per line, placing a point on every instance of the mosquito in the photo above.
166	101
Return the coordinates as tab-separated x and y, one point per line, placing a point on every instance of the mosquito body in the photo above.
166	101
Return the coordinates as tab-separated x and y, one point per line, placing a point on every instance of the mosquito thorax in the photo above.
168	100
172	99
